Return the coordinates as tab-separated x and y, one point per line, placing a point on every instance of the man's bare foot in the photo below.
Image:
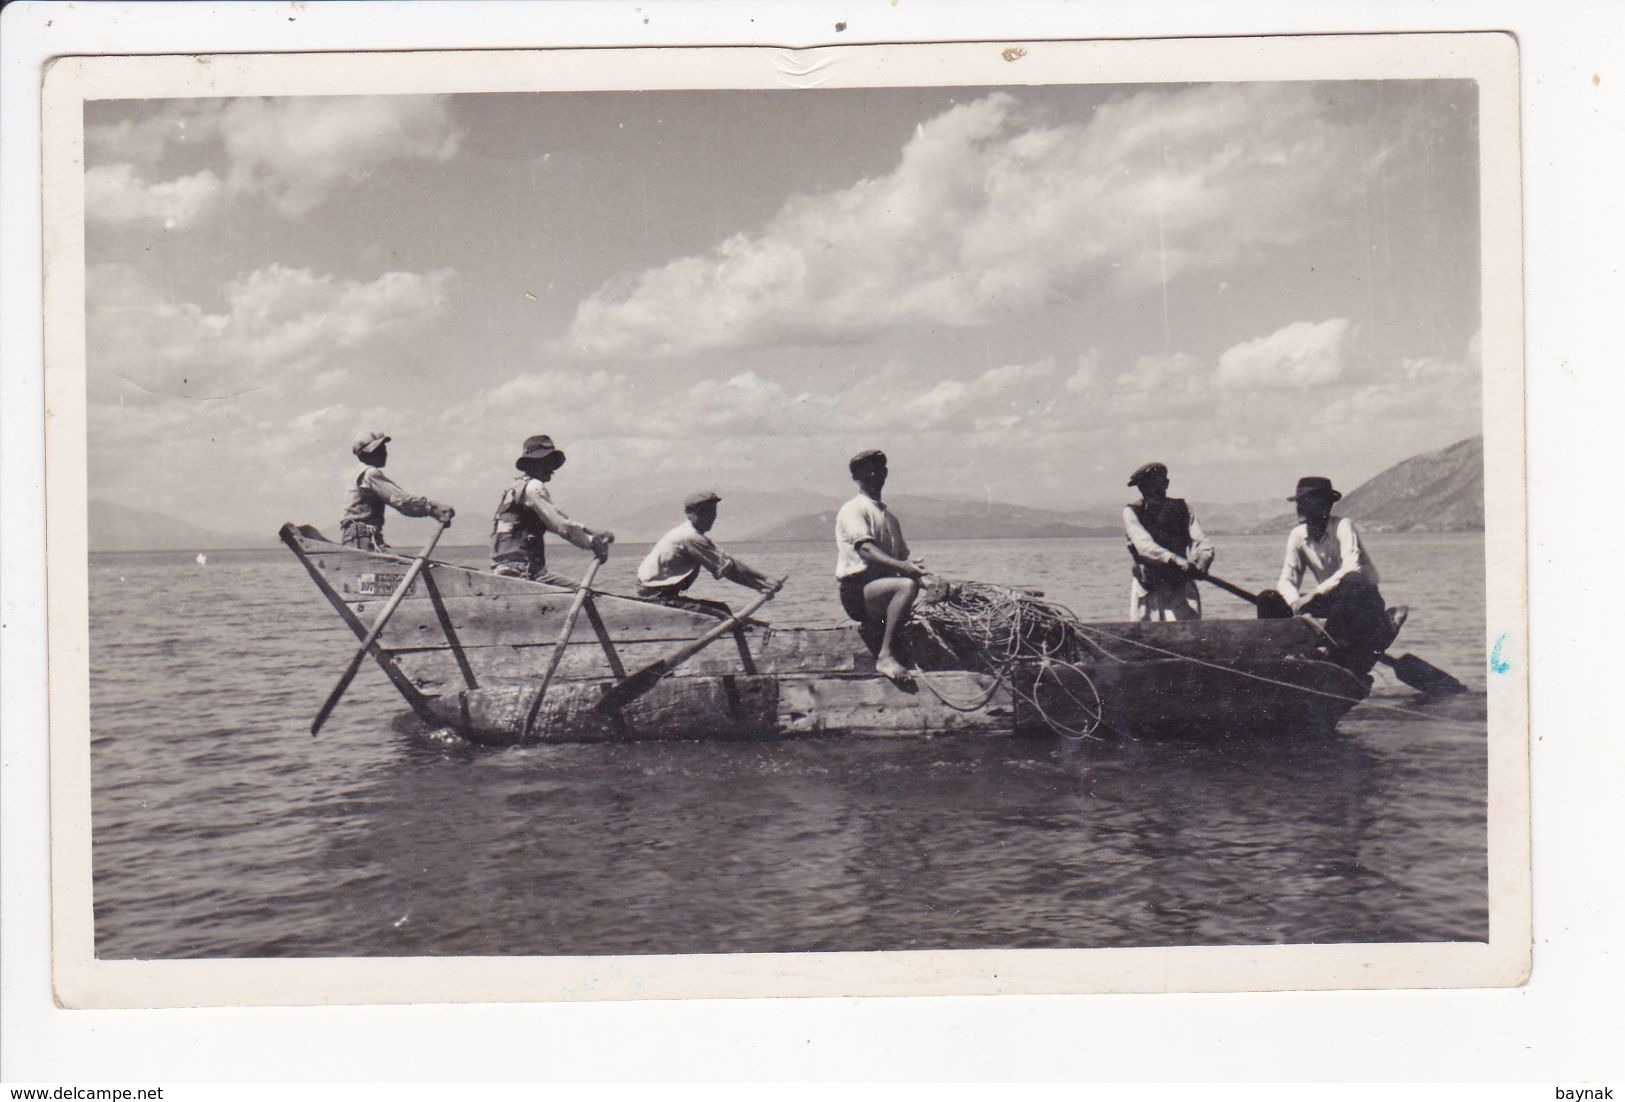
891	669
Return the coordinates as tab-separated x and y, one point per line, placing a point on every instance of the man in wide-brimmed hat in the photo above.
1329	574
677	558
1168	548
526	514
878	580
362	524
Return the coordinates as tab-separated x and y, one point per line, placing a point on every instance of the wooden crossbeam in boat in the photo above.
403	684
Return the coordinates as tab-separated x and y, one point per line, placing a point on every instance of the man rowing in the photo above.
1329	574
1168	548
677	558
526	514
362	524
878	580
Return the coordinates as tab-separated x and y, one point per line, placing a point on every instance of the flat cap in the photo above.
700	498
368	441
1146	472
863	458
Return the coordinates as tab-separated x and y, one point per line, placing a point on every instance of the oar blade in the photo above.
1426	678
624	692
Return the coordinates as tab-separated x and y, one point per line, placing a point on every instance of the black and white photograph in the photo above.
957	502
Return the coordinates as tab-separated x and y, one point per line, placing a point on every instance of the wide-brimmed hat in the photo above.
368	441
540	447
1146	472
1314	485
865	458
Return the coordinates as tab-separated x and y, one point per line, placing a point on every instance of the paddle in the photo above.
569	626
630	688
1419	675
377	629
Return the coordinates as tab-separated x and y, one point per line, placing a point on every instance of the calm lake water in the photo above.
221	829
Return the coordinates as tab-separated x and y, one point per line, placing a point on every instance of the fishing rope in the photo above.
1007	633
1004	632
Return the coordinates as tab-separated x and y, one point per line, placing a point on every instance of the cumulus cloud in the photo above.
1303	354
170	125
295	150
118	194
277	326
991	209
292	152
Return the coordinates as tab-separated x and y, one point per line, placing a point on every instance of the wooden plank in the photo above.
873	706
1210	640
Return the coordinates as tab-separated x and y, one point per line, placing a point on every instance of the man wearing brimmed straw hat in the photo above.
1343	590
677	558
878	580
1168	549
371	489
526	514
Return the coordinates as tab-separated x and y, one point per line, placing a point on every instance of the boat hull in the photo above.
467	649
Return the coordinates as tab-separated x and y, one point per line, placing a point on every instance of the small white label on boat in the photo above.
378	585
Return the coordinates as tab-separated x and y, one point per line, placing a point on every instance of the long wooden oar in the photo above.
1419	675
562	641
634	686
377	629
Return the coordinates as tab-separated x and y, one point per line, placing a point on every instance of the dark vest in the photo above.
1170	525
516	532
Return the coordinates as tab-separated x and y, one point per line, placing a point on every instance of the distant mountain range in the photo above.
121	528
1440	491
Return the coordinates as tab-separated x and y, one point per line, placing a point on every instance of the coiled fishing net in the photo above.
1030	645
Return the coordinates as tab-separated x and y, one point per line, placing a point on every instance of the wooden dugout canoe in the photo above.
467	648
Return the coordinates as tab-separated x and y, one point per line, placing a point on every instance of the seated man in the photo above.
526	513
1344	591
1168	548
878	581
362	524
676	559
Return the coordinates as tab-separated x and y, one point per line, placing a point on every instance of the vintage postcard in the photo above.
1009	517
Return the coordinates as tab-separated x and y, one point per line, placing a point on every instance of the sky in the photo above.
1020	294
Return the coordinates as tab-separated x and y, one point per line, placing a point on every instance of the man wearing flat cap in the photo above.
1328	573
677	558
1168	549
371	489
526	514
878	580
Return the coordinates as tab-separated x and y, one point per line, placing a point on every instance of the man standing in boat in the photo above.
1168	548
526	514
877	578
1342	579
676	560
371	489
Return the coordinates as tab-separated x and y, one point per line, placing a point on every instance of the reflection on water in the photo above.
222	829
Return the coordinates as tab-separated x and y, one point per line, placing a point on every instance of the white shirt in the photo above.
865	520
678	556
1337	552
